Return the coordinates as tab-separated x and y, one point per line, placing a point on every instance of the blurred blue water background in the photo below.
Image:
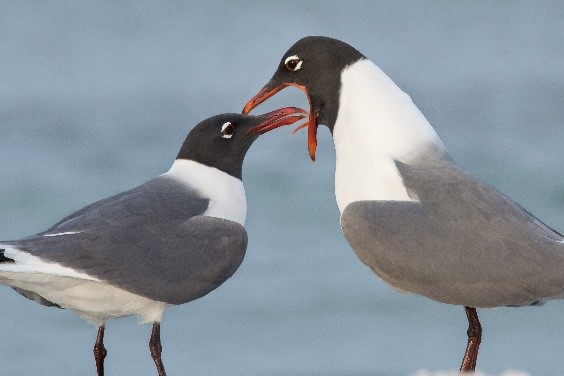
97	97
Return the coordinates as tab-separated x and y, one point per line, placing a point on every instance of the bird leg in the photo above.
156	348
100	351
474	337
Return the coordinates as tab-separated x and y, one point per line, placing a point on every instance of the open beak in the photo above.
266	92
279	118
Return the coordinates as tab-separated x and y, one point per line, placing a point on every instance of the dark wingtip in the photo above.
4	258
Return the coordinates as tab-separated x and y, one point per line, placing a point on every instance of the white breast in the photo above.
377	124
94	301
225	192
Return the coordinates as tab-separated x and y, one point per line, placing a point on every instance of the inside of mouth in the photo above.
279	119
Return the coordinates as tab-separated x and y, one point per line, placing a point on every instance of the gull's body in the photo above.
431	228
136	252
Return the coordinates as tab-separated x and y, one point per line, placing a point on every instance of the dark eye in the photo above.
227	130
293	63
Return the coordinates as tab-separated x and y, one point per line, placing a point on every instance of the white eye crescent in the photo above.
227	130
293	63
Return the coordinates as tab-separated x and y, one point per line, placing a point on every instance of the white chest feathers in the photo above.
225	192
377	124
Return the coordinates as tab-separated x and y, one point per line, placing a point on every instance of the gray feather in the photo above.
152	241
462	243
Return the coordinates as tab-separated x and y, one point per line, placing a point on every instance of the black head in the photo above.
222	141
313	64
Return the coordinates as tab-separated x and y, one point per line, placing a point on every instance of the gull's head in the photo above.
314	65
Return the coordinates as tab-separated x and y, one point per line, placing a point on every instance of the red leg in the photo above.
100	351
156	348
474	338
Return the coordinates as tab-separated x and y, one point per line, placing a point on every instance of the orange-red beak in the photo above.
279	118
261	96
266	93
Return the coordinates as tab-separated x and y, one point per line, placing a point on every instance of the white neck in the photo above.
377	124
225	192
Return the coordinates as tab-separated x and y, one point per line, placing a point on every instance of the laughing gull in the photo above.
409	212
168	241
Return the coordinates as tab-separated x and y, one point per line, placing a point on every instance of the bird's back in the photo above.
152	241
460	242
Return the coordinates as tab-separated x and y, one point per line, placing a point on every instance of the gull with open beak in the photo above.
409	212
171	240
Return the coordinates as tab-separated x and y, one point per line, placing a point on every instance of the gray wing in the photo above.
462	243
151	241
